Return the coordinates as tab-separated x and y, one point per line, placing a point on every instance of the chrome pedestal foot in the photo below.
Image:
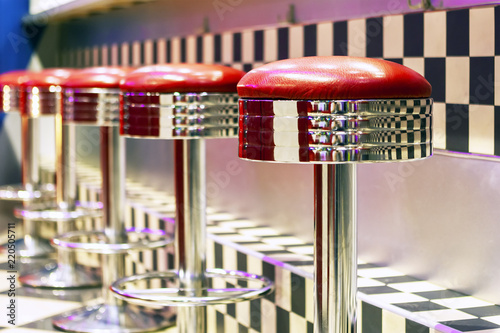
105	318
66	274
62	276
112	316
32	248
41	248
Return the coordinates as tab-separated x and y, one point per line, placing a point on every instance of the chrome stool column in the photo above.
43	97
334	112
92	97
189	103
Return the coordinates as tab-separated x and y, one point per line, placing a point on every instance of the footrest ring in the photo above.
41	212
134	289
98	242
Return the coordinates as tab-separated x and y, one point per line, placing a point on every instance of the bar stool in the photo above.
92	97
189	103
31	188
93	104
334	112
42	96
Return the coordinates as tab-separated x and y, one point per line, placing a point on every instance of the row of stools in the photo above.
330	111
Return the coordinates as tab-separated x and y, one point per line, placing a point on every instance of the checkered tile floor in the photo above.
389	301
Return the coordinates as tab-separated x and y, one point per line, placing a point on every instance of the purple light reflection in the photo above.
170	220
147	231
446	329
273	261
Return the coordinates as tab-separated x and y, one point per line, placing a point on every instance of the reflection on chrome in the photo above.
41	101
169	116
52	212
335	131
22	193
92	106
99	242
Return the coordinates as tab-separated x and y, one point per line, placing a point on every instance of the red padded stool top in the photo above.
181	78
47	77
97	77
334	110
13	78
333	78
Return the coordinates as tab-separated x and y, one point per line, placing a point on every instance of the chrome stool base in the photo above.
42	248
63	277
113	319
66	274
36	248
21	193
112	316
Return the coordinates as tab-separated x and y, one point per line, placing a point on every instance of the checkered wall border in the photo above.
458	51
389	301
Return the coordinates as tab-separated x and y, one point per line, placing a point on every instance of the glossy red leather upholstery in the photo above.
97	77
47	77
13	78
193	78
333	78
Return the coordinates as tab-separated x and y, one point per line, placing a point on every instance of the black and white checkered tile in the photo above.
389	301
458	51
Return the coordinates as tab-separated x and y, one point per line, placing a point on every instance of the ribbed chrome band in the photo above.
181	116
335	131
92	106
38	101
9	95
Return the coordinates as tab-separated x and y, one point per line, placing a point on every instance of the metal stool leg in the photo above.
113	315
30	152
31	188
190	234
66	274
32	245
335	248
